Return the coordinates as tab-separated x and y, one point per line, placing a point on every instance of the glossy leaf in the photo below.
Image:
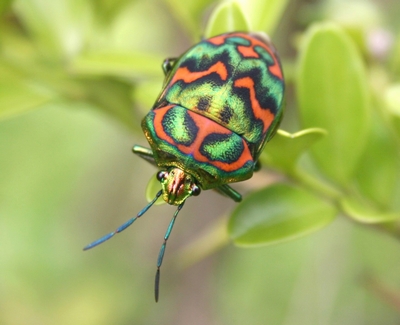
278	213
285	148
333	94
227	17
263	15
361	212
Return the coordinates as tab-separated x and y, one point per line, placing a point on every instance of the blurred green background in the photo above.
76	77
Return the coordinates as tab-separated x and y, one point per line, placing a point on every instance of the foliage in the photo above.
75	79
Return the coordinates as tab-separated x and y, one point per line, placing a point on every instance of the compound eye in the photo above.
168	64
196	190
162	175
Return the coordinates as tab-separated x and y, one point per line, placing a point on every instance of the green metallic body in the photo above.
220	104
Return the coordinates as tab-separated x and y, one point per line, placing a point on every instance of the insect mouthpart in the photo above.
177	186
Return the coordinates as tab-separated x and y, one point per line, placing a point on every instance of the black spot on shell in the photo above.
203	103
226	114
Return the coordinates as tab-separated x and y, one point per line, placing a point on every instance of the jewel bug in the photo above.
220	103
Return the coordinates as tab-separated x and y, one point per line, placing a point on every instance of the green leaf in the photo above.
364	213
278	213
60	27
285	148
360	19
19	94
190	14
263	15
118	64
113	97
4	5
318	279
378	171
395	57
227	17
392	98
127	27
333	94
145	93
106	10
153	187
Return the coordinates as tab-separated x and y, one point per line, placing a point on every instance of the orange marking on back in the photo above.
217	40
188	76
275	69
264	114
206	127
247	52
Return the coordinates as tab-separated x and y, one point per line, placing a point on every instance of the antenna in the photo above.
163	246
123	226
162	251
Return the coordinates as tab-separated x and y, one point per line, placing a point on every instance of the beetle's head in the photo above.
177	185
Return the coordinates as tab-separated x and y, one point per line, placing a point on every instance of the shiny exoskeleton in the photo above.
221	102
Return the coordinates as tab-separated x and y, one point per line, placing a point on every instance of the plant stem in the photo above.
333	194
315	184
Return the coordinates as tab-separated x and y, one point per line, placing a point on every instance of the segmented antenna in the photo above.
162	251
163	246
123	226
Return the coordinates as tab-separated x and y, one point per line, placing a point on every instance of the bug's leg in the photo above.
230	192
144	153
168	64
162	251
257	166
